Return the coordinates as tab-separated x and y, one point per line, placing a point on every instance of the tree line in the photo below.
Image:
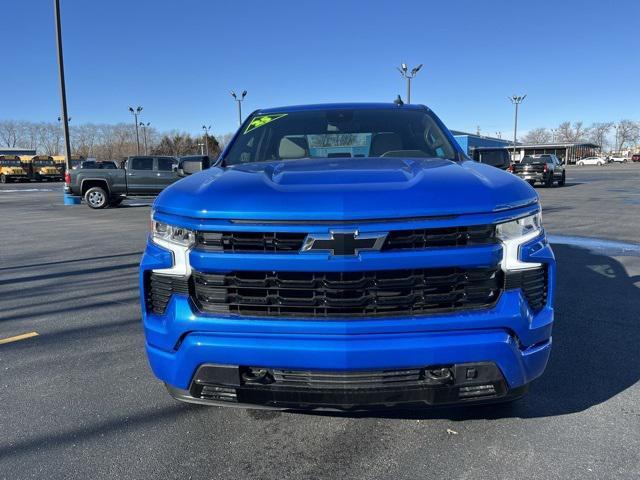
610	135
106	141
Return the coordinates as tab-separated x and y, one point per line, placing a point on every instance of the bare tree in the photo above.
627	131
537	135
9	133
50	138
598	133
572	133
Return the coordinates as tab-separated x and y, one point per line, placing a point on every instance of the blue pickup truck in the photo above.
347	256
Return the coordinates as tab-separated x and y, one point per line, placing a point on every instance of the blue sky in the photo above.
576	60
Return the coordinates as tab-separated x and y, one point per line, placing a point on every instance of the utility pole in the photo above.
206	137
135	114
144	135
403	69
63	89
239	100
516	100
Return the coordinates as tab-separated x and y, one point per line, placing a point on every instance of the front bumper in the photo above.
509	336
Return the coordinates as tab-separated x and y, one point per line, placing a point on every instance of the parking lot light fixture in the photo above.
206	137
404	71
239	99
135	114
516	100
144	135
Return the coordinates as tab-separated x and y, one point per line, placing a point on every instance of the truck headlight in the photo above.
170	233
515	233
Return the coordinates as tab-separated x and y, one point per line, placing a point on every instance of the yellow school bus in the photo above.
76	160
41	168
11	169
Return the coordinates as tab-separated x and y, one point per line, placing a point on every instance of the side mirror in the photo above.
188	167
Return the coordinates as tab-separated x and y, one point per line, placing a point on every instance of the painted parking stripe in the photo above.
17	338
20	190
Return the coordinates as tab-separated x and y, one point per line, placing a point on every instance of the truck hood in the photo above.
345	189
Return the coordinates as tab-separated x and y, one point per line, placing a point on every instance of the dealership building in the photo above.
568	152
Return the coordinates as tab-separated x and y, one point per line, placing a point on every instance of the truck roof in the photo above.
339	106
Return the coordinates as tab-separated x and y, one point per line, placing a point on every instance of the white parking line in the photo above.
27	190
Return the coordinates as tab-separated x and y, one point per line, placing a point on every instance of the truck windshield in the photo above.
339	134
10	163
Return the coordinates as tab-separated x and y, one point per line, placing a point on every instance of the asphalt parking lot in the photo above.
79	401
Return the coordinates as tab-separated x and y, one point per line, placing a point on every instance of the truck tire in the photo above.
96	198
3	178
114	202
562	181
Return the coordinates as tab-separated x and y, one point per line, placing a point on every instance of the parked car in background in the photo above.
545	169
616	159
591	161
11	169
635	157
496	157
141	176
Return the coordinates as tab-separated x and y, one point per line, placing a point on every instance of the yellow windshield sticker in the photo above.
262	120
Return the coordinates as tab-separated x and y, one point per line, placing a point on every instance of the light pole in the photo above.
403	69
516	100
63	88
206	137
144	135
201	145
239	100
135	114
68	121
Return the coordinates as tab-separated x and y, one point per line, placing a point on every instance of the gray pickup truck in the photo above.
140	176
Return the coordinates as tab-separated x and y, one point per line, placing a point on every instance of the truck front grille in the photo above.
291	242
347	294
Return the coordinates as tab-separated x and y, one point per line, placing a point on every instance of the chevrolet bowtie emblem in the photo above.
343	243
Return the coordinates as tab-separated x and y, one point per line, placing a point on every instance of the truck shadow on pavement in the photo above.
596	344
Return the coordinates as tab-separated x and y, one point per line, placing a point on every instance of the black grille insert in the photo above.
533	283
347	294
159	289
291	242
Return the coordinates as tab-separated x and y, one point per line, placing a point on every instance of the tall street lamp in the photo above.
206	137
144	135
239	99
403	69
135	114
68	121
516	100
63	89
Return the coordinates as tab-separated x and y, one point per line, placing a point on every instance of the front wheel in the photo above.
580	164
3	178
96	198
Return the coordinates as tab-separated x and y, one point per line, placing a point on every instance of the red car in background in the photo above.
635	157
